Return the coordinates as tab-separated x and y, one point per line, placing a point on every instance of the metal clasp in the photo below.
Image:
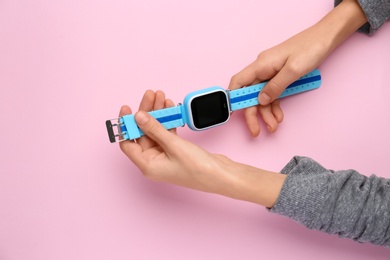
115	130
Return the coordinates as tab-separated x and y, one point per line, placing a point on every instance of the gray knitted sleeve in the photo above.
376	11
345	203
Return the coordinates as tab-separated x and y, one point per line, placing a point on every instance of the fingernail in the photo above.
141	117
264	99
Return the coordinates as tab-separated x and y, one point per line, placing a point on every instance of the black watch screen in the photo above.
209	110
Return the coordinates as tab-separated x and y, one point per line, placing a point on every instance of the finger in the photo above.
132	150
243	78
277	85
159	100
147	104
125	110
268	118
277	111
154	130
252	121
169	103
256	81
147	101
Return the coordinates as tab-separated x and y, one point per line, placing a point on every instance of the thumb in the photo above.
275	87
153	129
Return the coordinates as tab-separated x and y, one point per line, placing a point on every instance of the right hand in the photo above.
281	65
295	57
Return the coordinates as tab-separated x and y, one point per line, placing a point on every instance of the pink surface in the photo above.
67	66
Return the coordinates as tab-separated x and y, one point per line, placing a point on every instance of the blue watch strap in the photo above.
248	96
127	129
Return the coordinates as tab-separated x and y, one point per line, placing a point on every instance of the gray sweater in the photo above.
345	203
376	11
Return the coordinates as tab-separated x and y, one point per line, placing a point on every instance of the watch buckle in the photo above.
116	130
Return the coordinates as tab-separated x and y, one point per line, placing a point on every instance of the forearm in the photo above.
341	22
253	184
334	28
345	203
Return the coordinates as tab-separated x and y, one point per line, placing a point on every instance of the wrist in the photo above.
341	22
254	185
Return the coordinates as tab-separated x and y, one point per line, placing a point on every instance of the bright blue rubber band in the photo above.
248	96
180	115
169	117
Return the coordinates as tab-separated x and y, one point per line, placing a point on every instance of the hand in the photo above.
281	65
163	156
297	56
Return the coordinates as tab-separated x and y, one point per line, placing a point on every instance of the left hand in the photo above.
161	155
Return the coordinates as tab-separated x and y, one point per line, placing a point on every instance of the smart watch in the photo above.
205	108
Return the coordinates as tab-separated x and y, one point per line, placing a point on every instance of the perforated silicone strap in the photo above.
171	117
248	96
127	129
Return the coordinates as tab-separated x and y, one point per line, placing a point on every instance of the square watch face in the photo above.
210	109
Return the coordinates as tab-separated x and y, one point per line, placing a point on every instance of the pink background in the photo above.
67	66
